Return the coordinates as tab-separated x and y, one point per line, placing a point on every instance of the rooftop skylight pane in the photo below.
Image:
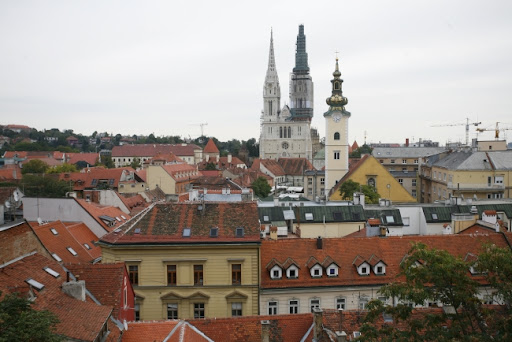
309	216
35	283
434	216
240	232
265	218
72	251
117	218
87	246
54	231
186	232
52	272
214	232
390	219
123	217
56	257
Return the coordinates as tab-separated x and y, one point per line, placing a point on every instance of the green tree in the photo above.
365	149
210	166
44	186
135	163
107	161
62	168
19	322
261	187
435	276
348	188
34	166
370	193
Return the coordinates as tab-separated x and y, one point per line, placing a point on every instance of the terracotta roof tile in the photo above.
295	166
150	150
89	158
148	331
78	320
61	240
97	211
345	251
210	147
166	222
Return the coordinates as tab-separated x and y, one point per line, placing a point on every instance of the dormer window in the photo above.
332	270
292	272
316	271
364	269
380	268
276	272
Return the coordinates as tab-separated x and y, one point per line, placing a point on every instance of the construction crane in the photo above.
496	130
461	124
202	127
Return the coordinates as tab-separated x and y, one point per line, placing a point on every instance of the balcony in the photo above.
475	187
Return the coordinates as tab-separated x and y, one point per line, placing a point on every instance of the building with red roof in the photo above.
125	154
191	260
172	179
303	274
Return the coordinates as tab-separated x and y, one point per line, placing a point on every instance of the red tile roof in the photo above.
89	158
182	172
344	251
64	239
148	331
165	223
78	320
17	240
104	281
272	166
210	147
90	178
96	211
150	150
295	166
285	328
10	173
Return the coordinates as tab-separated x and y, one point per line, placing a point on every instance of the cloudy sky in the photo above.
164	67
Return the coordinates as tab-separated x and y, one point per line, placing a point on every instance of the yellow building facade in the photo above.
370	171
191	260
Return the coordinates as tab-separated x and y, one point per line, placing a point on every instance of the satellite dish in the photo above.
7	204
16	196
39	221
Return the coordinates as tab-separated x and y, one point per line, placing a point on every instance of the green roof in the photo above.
384	216
314	214
444	213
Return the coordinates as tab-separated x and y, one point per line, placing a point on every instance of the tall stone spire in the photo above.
301	56
271	76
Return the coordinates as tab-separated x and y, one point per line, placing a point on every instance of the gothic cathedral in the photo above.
286	132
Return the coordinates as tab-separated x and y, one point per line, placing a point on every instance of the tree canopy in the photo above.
44	186
261	187
65	167
349	187
34	166
435	277
19	322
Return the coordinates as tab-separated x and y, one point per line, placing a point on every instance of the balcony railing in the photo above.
475	186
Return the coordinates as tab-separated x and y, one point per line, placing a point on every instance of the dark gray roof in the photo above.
405	152
444	213
499	160
342	213
384	214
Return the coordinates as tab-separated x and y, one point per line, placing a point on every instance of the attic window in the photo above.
337	216
94	181
87	246
186	232
56	257
266	218
54	231
117	218
124	218
137	231
214	232
35	283
240	232
72	251
112	182
434	216
52	272
309	216
390	219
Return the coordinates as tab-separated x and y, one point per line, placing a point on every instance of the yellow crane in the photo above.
461	124
496	130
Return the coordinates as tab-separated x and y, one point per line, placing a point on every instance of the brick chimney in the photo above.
318	322
273	232
265	331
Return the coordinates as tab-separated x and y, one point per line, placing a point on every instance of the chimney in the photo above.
319	243
230	158
265	331
75	289
207	158
318	322
341	336
273	232
407	142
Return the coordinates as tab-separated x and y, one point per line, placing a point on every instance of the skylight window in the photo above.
87	246
434	216
117	218
309	216
390	219
56	257
214	232
137	231
123	217
35	283
266	218
72	251
52	272
186	232
240	232
54	231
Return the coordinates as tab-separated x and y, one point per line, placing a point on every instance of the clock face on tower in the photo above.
336	118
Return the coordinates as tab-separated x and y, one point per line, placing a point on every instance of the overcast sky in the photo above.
164	67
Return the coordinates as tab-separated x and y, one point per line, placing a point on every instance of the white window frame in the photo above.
276	268
332	267
379	264
292	268
340	303
314	303
272	307
293	308
318	268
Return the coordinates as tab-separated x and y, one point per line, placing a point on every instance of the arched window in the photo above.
289	132
336	85
280	132
337	136
371	182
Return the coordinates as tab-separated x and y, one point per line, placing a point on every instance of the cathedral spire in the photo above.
271	70
301	56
